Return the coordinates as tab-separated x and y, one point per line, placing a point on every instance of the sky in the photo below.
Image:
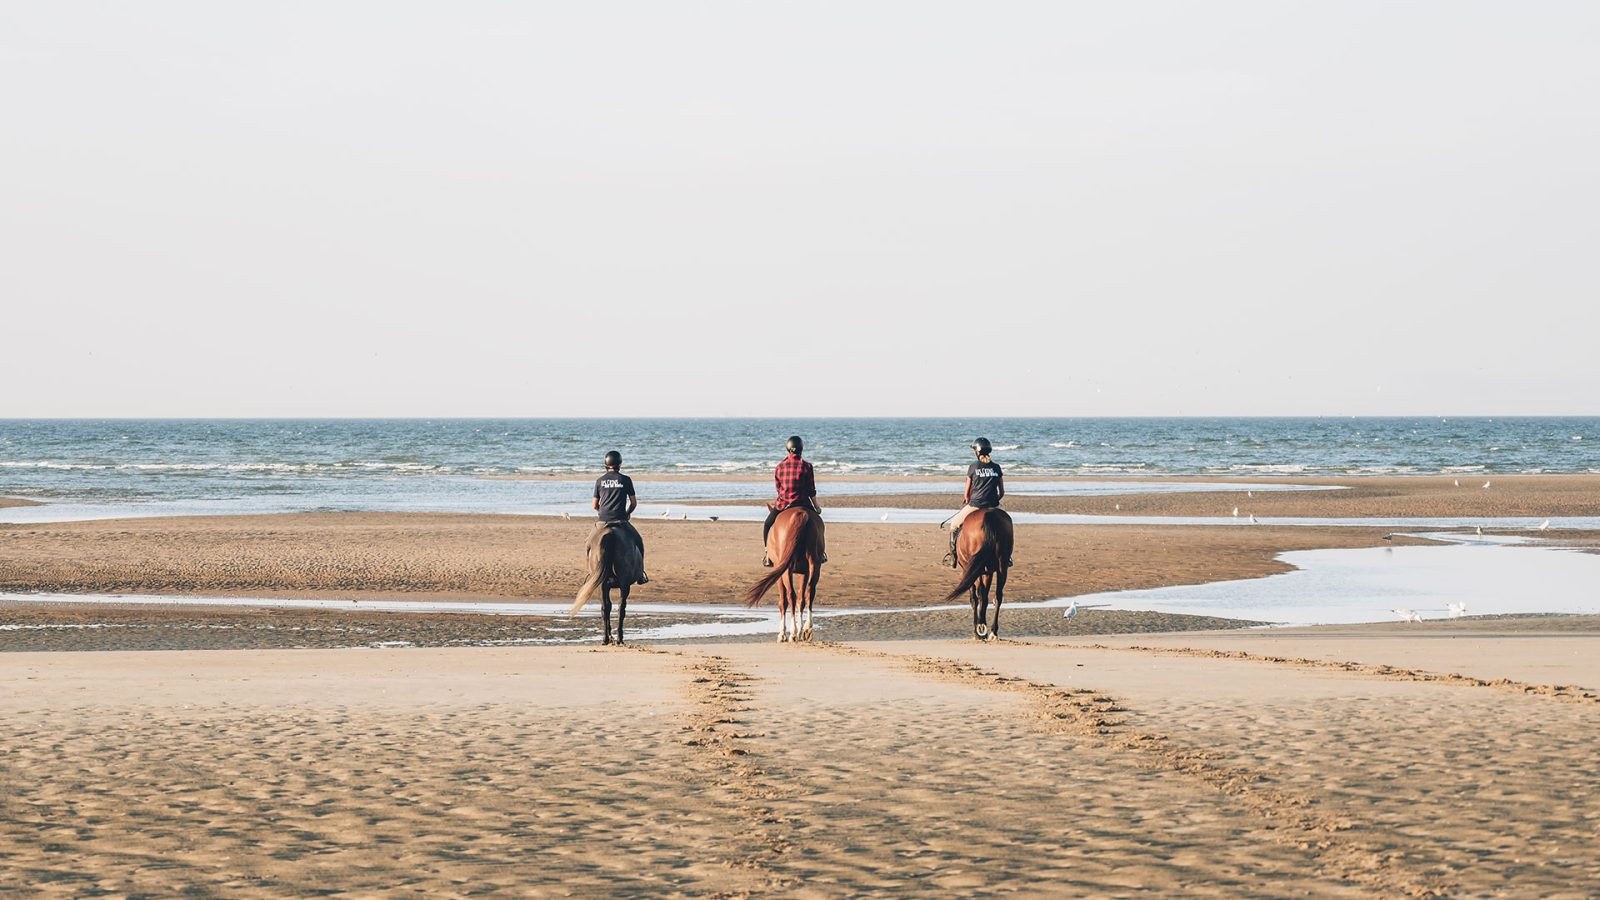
865	208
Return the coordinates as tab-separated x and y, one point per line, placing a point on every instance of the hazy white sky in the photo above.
380	208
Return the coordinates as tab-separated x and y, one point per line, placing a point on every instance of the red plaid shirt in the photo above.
795	484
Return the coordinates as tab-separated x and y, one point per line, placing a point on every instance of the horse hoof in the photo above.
981	632
991	638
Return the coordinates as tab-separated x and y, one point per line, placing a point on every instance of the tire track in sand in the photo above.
720	694
1287	818
1564	693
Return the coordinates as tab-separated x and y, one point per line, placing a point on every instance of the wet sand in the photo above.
1370	497
17	501
465	557
825	770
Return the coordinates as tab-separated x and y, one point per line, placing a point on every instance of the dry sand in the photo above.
820	770
366	555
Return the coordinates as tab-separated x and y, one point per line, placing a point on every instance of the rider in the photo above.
615	501
985	486
796	487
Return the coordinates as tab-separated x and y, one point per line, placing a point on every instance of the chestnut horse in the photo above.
614	562
983	550
795	546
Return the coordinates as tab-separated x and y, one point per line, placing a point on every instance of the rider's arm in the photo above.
967	494
633	503
595	504
1000	489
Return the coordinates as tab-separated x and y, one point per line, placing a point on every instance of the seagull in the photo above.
1236	512
1458	482
1072	611
666	514
1480	529
685	517
713	518
1119	506
1249	493
1486	485
1457	610
1545	525
1253	519
884	517
566	515
1407	615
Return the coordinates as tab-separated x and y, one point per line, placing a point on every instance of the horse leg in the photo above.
999	597
983	606
812	576
622	609
605	610
980	614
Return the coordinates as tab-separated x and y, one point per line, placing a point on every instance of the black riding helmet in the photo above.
613	459
982	447
795	445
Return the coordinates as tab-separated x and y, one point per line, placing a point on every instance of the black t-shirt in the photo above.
985	485
613	490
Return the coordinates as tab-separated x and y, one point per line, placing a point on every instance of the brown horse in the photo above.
614	562
983	550
795	546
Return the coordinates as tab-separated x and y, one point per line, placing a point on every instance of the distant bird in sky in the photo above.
1072	611
1457	610
1545	525
1407	615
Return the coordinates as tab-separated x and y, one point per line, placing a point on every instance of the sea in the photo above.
244	465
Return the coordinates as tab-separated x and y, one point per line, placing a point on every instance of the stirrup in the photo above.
766	562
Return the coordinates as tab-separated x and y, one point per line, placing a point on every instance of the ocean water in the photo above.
461	463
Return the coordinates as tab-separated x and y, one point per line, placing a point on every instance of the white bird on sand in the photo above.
1457	610
685	517
666	514
1486	484
1253	519
1407	615
566	515
1249	493
1236	512
1458	482
1480	529
1119	506
884	517
1545	525
1072	611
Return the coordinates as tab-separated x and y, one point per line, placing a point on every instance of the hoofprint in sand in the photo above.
834	769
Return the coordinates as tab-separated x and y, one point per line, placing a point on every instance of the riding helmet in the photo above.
982	446
795	445
613	459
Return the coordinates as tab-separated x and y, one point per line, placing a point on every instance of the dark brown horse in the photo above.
795	546
983	551
614	562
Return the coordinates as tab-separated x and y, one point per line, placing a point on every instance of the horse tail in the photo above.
779	566
603	570
986	560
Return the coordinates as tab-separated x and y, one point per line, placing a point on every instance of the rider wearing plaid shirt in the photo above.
796	487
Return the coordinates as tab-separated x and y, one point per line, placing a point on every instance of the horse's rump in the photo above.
799	546
614	561
986	539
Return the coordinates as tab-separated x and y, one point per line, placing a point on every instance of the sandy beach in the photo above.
884	767
269	751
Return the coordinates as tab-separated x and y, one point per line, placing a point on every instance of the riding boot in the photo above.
950	558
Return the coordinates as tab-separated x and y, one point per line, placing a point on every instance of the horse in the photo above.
983	550
614	562
795	546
